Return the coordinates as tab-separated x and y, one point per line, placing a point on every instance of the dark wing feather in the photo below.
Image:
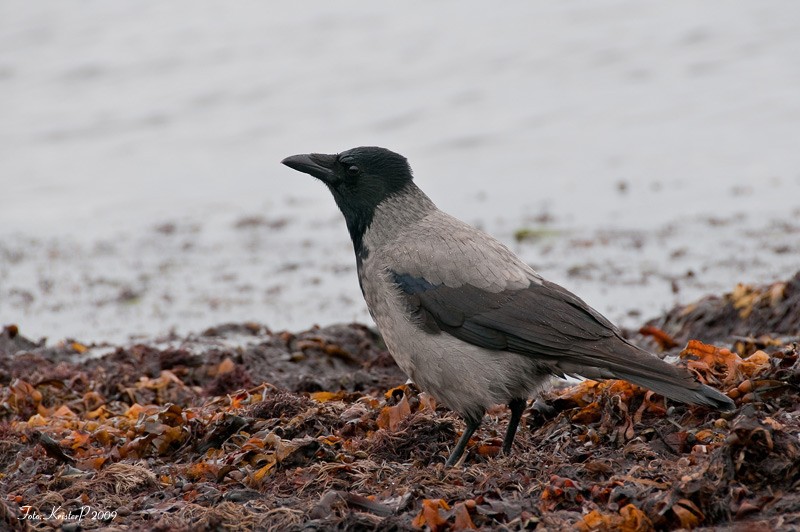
543	318
554	327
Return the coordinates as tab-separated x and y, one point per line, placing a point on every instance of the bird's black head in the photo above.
359	179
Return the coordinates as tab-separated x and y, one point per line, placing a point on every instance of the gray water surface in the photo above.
654	149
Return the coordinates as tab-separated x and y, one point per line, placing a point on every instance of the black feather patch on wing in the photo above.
542	318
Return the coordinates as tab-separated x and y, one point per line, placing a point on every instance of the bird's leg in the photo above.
517	407
472	426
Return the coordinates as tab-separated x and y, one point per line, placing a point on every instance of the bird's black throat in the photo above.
359	213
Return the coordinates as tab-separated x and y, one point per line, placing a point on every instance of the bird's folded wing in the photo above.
542	319
561	333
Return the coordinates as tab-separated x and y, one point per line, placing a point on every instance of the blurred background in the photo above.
641	154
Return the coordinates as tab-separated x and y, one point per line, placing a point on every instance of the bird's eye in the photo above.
353	170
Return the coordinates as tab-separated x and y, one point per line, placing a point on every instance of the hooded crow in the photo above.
465	318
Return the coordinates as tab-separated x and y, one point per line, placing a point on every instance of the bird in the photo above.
465	318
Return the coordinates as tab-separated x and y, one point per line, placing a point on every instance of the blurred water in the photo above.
652	138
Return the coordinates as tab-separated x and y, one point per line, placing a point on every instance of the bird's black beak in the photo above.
315	164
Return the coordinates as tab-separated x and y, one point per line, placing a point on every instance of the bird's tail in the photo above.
695	393
623	360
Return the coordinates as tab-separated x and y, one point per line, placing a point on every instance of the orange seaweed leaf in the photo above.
708	360
102	436
134	411
324	397
37	420
391	416
754	364
664	340
629	519
95	462
723	363
595	520
201	470
77	439
259	475
429	515
93	400
64	411
581	394
78	347
102	413
226	366
688	514
23	392
489	450
396	392
463	519
588	414
634	520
